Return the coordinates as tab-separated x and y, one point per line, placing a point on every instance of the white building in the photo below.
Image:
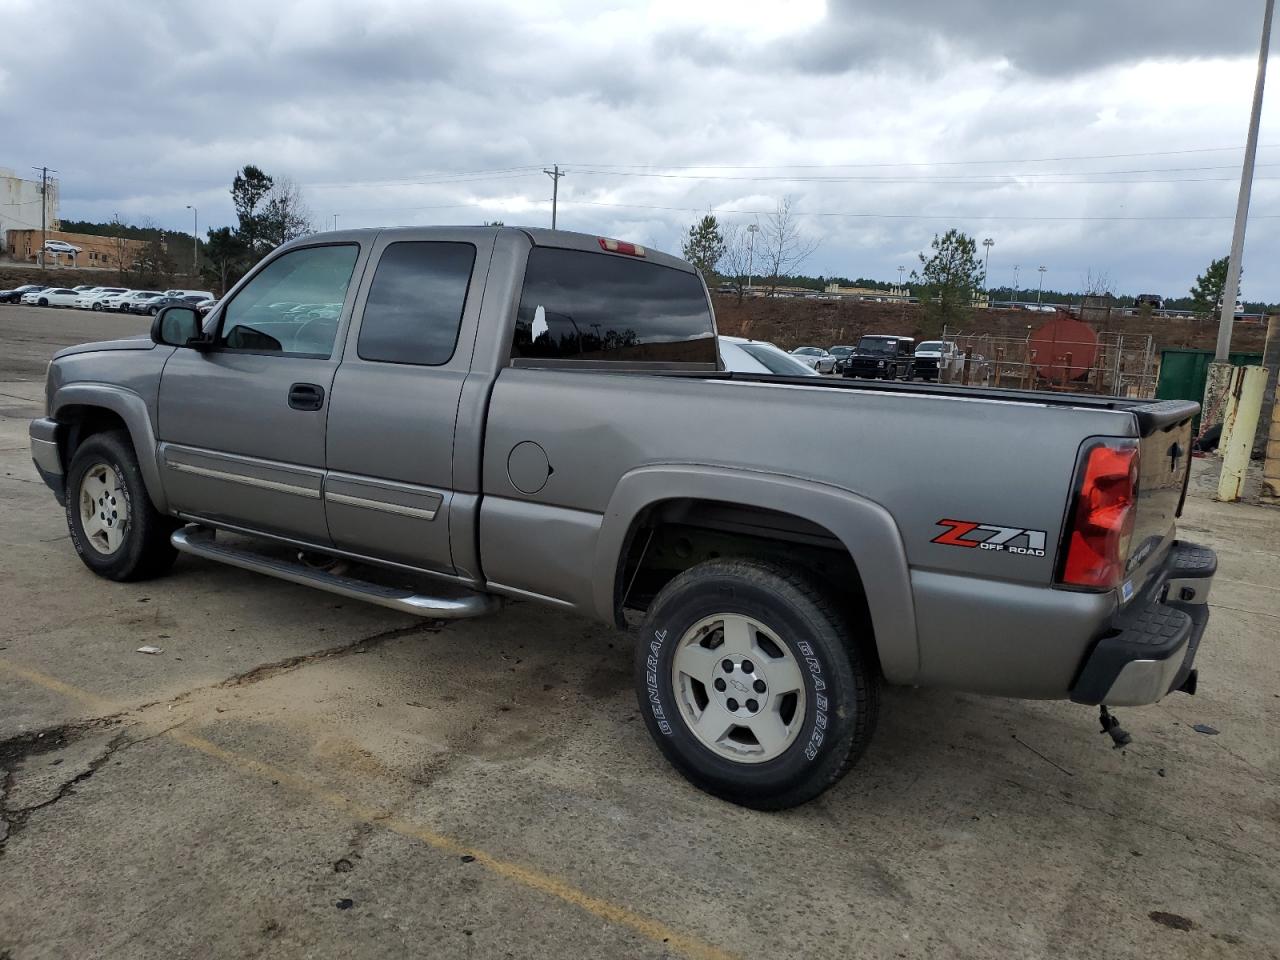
20	204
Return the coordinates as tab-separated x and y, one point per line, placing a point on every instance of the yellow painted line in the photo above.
536	880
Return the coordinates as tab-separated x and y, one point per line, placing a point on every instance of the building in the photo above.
20	203
101	252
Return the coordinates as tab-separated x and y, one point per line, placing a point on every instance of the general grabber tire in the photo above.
115	529
752	685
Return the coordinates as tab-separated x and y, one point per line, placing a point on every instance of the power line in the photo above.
994	180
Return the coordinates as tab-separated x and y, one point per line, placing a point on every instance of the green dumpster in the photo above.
1183	373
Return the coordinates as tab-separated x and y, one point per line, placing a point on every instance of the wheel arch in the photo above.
88	408
863	529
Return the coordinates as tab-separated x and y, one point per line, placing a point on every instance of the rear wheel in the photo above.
114	527
97	306
751	683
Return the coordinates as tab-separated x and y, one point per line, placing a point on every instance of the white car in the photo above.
815	357
112	300
935	359
51	297
741	355
126	301
93	299
202	294
61	246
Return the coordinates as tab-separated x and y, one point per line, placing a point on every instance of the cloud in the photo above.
144	109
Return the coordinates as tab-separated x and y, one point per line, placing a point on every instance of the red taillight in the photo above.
621	246
1101	522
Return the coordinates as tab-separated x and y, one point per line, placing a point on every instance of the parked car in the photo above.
84	288
15	295
815	357
743	355
935	359
841	353
112	300
199	294
61	246
882	357
154	305
96	299
204	306
126	302
51	297
577	444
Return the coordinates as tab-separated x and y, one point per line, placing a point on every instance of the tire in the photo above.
43	302
153	311
97	307
720	614
128	539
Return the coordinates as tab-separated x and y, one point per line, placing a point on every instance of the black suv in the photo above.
880	357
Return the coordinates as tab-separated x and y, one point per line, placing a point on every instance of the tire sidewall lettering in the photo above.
820	701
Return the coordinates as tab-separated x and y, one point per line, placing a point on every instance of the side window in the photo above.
577	305
293	305
414	309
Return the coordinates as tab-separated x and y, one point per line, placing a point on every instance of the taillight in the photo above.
621	246
1100	523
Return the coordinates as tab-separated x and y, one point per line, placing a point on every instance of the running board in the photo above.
200	542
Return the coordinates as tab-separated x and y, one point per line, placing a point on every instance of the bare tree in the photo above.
784	248
1097	283
285	216
735	262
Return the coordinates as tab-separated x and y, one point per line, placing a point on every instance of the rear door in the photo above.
242	426
389	488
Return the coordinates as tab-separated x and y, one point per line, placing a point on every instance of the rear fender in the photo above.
865	529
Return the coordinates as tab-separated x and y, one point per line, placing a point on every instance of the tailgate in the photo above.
1164	464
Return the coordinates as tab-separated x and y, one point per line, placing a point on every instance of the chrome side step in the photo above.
200	542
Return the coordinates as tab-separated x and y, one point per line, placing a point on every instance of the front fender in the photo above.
132	409
865	528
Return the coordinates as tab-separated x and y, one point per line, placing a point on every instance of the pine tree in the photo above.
705	245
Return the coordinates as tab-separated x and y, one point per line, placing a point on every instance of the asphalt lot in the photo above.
302	776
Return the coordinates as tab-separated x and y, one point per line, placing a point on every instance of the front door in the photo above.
390	489
242	426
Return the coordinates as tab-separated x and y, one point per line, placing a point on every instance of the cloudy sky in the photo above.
1101	135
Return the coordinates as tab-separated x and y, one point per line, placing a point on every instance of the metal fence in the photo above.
1117	364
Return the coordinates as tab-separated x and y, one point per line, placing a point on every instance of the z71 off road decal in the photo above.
991	536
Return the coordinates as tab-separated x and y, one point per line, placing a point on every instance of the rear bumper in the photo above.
47	456
1149	648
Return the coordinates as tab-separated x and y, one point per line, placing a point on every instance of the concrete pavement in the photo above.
301	776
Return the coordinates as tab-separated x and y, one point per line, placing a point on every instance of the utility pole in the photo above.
44	206
1231	290
901	271
555	173
1040	292
752	230
986	259
1014	298
195	241
335	221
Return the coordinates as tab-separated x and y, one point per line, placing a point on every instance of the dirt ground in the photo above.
296	775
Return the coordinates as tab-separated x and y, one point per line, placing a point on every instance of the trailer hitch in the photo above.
1111	727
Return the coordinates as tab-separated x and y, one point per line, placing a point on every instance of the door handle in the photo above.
306	396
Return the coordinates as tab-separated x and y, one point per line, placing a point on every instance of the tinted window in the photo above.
597	306
315	278
415	304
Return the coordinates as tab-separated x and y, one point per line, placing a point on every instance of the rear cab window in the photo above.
582	306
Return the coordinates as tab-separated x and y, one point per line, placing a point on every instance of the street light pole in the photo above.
1015	283
752	230
195	241
986	260
901	271
1231	290
1040	292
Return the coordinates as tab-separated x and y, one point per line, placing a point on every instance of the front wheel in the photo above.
44	302
751	683
114	527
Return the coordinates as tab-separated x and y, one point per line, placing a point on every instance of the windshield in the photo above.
807	351
776	361
840	351
878	346
934	345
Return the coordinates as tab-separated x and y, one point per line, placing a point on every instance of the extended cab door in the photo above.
389	489
242	426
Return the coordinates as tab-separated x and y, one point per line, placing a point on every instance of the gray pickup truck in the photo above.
435	419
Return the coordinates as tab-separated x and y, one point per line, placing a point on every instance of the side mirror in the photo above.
176	326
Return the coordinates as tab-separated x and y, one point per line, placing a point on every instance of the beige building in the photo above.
95	251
